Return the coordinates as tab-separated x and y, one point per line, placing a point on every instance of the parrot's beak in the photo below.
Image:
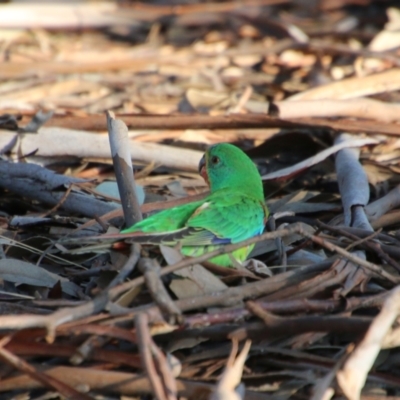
202	169
202	163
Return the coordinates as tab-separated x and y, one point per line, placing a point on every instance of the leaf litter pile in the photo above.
310	90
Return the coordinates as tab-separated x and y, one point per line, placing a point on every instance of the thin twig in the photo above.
370	244
128	266
151	272
59	204
144	339
356	260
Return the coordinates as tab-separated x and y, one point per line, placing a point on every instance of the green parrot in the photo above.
234	210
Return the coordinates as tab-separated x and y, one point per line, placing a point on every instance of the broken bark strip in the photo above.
353	185
122	161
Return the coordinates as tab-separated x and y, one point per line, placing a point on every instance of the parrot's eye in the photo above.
214	160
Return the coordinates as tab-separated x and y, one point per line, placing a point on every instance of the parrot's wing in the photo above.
166	227
229	220
185	236
219	220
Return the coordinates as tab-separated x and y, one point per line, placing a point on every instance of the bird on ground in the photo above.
234	211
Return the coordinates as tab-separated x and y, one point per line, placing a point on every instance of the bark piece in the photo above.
353	185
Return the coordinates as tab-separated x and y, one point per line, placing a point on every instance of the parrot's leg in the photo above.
235	263
252	265
257	267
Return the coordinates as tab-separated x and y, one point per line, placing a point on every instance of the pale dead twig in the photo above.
353	87
354	108
244	98
163	385
353	375
323	389
87	349
229	387
288	172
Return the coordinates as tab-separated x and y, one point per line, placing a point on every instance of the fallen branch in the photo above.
40	184
58	142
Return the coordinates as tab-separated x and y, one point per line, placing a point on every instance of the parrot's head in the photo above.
225	166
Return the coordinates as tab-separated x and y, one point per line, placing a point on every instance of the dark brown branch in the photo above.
48	381
144	343
233	121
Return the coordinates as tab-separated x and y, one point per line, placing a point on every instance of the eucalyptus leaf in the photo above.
110	188
22	272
